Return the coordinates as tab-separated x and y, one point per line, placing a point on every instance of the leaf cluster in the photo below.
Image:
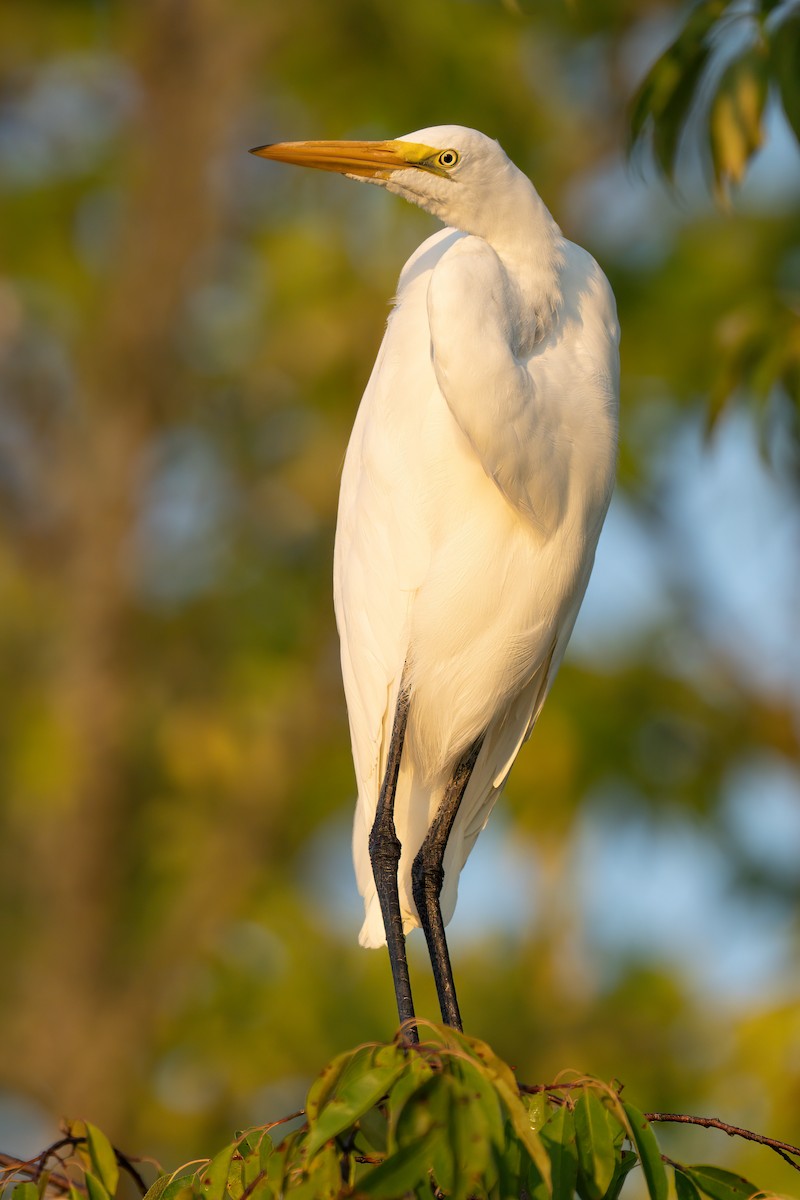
699	70
717	76
445	1118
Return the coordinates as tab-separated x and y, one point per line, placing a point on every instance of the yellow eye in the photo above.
447	158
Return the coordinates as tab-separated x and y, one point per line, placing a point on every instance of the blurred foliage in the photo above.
184	333
718	74
442	1118
723	62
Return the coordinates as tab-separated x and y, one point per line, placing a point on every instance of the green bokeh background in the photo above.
184	335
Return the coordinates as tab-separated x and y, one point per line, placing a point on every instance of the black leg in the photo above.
384	853
427	877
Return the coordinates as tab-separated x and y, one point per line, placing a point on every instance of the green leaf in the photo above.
667	92
25	1191
321	1179
649	1154
784	50
443	1116
464	1151
625	1164
266	1148
684	1188
483	1095
443	1135
402	1172
374	1129
214	1177
597	1156
338	1074
735	119
250	1168
669	126
417	1074
103	1158
355	1093
558	1136
325	1083
502	1079
157	1189
181	1188
537	1108
420	1116
245	1165
94	1187
510	1163
275	1166
719	1184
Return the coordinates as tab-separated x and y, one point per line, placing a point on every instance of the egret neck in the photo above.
506	212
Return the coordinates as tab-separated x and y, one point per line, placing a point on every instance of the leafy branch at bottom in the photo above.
81	1163
446	1118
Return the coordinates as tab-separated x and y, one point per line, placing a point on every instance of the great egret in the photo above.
474	488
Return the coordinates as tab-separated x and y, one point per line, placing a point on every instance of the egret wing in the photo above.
382	550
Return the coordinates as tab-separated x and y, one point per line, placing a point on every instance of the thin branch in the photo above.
36	1167
784	1149
9	1165
251	1187
127	1165
72	1141
534	1089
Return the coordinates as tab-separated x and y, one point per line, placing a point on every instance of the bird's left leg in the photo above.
427	878
384	853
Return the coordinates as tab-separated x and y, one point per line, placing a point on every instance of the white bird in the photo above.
476	481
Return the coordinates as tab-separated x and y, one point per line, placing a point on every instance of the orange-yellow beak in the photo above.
375	160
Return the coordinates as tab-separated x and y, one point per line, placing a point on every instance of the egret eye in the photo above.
448	158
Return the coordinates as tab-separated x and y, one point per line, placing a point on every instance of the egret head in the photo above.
458	174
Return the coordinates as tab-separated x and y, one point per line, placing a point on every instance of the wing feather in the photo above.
437	566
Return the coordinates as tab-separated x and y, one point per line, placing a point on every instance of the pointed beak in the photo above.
374	160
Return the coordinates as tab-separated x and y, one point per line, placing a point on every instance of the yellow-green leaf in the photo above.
402	1172
667	92
719	1184
214	1177
157	1189
684	1188
735	117
351	1101
103	1157
94	1187
597	1156
25	1191
649	1154
558	1135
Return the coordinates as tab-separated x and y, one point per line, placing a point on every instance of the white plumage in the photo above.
475	485
476	480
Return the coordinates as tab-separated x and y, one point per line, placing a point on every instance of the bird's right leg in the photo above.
427	876
384	853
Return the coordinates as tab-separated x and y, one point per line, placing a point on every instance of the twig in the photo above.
534	1089
9	1165
251	1187
37	1166
784	1149
127	1165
